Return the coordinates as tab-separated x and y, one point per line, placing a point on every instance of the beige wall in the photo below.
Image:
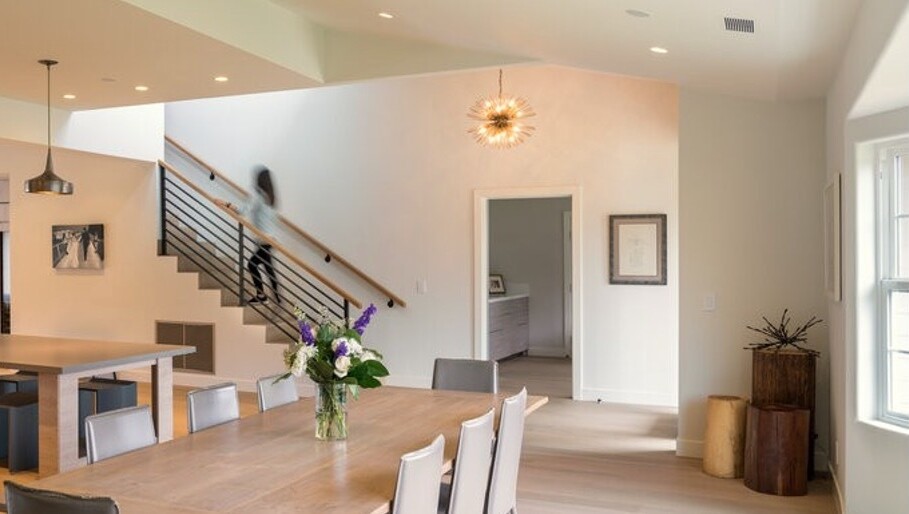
751	182
135	288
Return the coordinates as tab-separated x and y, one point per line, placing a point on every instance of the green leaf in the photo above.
368	382
282	377
375	368
352	334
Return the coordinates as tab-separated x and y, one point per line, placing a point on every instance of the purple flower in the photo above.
341	348
363	320
306	333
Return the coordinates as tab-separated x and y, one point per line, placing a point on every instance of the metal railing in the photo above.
221	244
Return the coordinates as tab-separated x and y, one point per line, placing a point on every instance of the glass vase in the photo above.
331	411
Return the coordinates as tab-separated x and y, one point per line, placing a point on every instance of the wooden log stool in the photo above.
776	450
724	440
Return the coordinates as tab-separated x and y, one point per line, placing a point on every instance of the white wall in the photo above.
751	181
870	466
135	132
525	246
135	288
384	173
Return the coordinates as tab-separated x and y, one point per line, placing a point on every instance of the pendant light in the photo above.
48	182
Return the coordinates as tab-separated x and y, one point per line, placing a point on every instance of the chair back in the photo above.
27	500
118	431
466	375
471	468
417	491
503	483
212	406
274	394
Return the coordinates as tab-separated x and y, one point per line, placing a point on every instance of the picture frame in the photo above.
496	284
833	238
637	249
77	247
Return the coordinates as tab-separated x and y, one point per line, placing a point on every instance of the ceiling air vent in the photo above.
739	25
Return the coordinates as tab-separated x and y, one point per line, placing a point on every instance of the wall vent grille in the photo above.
739	25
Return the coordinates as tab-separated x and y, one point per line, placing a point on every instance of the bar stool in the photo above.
19	430
22	381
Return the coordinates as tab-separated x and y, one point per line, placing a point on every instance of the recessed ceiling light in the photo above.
221	79
386	15
141	88
108	79
658	50
69	97
637	13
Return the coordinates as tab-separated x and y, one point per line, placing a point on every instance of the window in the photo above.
893	281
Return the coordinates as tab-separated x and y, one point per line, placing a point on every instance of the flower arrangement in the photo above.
779	336
332	355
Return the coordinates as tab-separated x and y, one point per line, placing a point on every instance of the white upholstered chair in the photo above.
503	483
417	491
275	394
212	406
118	431
467	492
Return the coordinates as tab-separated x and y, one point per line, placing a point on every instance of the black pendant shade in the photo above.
48	182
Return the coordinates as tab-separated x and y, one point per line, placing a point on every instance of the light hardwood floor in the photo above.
585	457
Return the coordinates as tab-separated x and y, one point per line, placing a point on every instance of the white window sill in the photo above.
887	427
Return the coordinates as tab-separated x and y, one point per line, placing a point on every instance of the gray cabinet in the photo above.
509	326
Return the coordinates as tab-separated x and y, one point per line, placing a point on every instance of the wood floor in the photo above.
585	458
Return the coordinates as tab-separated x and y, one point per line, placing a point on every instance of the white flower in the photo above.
354	348
342	364
368	356
338	342
296	368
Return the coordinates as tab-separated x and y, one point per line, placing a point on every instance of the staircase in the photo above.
216	244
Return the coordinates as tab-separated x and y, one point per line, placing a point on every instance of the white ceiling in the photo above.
888	86
793	53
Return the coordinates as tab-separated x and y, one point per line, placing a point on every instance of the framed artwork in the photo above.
833	238
637	249
77	246
496	284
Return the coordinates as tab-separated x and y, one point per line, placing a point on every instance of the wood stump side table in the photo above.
724	439
776	450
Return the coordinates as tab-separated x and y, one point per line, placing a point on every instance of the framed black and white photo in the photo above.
496	284
637	249
77	246
833	238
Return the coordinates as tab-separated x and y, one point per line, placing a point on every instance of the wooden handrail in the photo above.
265	238
329	253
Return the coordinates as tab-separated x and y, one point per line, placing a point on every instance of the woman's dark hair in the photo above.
264	184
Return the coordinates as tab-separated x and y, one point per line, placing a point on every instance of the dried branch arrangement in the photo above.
780	336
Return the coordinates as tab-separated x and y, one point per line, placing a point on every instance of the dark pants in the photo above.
262	257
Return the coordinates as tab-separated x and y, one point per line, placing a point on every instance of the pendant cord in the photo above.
500	83
48	109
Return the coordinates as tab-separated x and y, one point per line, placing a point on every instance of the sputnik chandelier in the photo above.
500	118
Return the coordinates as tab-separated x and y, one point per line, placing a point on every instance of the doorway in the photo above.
531	318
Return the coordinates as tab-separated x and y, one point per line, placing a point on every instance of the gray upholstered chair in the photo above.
274	394
417	491
19	382
19	430
27	500
503	484
466	494
212	406
118	431
466	375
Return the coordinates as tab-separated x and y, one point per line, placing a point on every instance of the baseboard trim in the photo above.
304	387
837	492
630	397
420	382
689	448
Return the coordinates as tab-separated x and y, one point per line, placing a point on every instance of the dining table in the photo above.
272	462
61	362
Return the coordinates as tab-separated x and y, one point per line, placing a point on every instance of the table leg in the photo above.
58	423
163	398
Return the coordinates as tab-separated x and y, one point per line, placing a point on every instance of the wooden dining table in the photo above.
271	461
60	363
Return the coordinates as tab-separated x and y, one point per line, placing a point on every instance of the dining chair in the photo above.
118	431
417	491
503	482
466	375
275	394
212	406
466	493
27	500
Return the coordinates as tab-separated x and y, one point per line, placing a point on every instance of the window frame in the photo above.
892	156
